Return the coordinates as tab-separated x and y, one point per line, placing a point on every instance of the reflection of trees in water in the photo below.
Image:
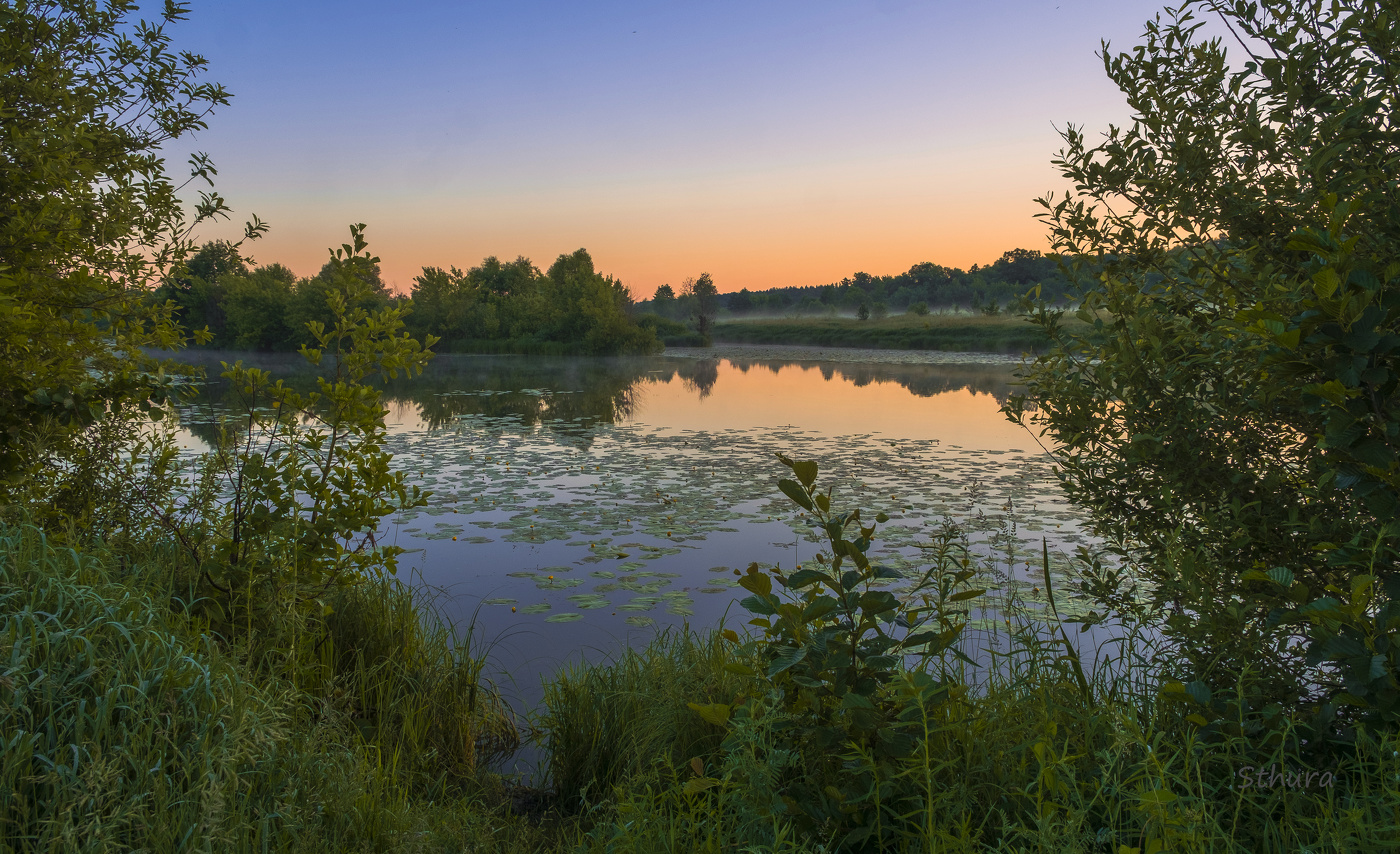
700	376
533	389
567	393
922	380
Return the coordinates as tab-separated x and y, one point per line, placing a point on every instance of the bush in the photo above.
1230	409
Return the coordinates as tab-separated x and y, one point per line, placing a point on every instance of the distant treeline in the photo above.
925	286
497	307
512	307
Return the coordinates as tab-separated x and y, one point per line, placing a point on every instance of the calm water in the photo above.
594	501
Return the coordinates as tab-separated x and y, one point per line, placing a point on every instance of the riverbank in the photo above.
1004	334
144	733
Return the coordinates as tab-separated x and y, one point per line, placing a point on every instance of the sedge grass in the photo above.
126	728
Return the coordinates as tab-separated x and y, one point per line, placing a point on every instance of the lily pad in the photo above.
589	601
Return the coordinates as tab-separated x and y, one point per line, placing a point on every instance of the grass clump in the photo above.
613	722
126	727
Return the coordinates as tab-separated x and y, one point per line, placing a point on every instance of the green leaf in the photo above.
759	605
1199	691
964	595
805	577
819	608
756	581
715	713
878	602
1325	605
806	472
853	700
792	490
696	785
786	658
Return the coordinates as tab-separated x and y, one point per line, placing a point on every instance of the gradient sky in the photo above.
768	143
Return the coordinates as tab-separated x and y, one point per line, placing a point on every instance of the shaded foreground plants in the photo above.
1228	406
832	743
128	728
219	658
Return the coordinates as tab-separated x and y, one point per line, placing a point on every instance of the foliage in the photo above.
1006	280
702	302
288	505
128	728
1231	414
834	656
1037	753
499	307
670	332
610	722
91	220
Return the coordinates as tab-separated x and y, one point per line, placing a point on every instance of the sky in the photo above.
767	143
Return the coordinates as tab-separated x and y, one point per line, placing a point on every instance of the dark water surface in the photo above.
594	501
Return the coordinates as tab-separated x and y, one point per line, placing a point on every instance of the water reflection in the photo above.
561	394
582	503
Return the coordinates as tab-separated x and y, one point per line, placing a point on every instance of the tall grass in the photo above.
124	727
607	723
1043	753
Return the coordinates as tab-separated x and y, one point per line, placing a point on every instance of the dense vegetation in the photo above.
1229	404
214	654
494	308
925	286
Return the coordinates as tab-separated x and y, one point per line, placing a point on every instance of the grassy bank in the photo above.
953	332
129	727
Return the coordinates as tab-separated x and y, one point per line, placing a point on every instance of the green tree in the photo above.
289	504
1230	413
663	302
256	307
90	221
704	303
591	309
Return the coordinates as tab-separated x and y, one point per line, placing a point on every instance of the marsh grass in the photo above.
1041	752
616	721
126	727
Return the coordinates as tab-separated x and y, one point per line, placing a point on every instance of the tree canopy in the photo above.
1231	413
91	220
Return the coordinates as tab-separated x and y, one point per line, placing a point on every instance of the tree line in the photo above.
494	307
922	287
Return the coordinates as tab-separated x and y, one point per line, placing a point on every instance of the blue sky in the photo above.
769	143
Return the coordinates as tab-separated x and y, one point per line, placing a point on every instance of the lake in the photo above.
583	504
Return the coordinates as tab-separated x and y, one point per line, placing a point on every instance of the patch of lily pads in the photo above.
635	504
